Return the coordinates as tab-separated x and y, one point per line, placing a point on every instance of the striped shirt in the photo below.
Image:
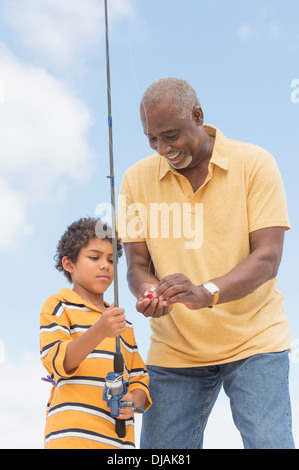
77	416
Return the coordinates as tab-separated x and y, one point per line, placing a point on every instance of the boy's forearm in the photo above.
79	348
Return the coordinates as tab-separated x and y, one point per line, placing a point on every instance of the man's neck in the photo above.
197	175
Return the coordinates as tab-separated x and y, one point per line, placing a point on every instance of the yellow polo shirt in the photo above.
204	234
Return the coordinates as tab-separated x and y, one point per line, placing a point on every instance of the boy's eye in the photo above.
110	261
94	258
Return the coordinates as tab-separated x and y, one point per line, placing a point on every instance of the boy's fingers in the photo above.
115	310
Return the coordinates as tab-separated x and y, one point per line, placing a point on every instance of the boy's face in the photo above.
93	270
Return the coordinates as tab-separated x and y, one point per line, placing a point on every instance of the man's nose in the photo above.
163	148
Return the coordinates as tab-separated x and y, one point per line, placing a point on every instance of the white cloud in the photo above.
23	400
43	140
247	33
43	126
14	223
274	31
263	30
60	31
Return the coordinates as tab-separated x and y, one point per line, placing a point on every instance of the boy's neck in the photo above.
94	299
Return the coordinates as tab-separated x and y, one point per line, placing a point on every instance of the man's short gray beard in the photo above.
180	166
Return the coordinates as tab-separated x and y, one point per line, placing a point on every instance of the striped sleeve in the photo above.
54	337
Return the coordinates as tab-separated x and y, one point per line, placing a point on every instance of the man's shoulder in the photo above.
247	147
248	154
236	150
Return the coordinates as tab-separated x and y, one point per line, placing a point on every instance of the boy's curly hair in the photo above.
77	236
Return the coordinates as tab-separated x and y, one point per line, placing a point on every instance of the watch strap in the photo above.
215	294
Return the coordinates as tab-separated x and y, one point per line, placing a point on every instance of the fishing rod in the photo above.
120	425
111	176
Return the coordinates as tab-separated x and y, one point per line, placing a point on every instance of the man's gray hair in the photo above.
176	91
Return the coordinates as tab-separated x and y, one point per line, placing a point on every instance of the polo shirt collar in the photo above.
68	295
219	156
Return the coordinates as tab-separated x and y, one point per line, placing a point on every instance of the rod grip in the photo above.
118	364
120	427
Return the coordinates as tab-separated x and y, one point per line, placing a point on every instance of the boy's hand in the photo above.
138	397
112	322
127	411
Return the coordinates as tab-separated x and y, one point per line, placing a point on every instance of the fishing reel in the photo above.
115	390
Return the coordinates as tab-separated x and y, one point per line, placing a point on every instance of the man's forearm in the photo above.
245	278
138	278
258	267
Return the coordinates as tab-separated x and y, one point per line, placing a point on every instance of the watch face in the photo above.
211	287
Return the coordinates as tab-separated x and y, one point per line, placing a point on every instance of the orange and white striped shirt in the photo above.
77	415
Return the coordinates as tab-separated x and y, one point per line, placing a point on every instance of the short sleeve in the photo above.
266	198
54	339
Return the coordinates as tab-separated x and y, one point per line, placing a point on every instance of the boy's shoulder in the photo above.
51	302
63	296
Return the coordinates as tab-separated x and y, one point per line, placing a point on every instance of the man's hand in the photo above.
178	288
151	307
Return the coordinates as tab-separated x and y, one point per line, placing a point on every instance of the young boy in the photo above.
78	331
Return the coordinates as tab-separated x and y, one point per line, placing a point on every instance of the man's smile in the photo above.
173	156
179	160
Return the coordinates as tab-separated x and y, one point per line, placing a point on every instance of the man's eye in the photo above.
94	258
172	137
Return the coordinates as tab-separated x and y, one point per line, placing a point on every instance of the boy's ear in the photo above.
67	264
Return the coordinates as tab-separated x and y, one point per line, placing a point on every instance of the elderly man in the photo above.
204	219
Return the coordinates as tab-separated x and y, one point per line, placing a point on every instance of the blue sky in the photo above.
241	57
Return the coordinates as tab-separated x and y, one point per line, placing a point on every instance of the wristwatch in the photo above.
213	290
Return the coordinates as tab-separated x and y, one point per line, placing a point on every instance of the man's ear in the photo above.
67	264
198	115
